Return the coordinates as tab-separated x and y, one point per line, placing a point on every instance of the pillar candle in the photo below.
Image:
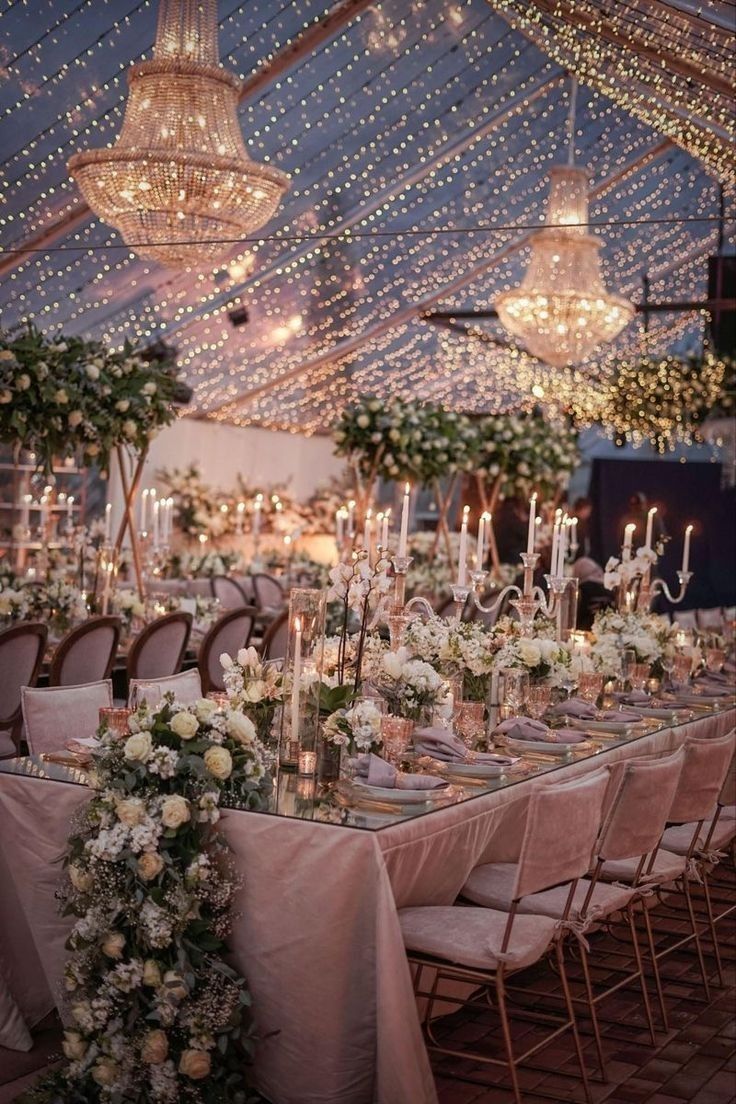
297	674
686	549
650	528
480	553
531	531
404	533
368	533
462	565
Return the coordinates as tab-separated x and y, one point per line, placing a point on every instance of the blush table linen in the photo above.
316	931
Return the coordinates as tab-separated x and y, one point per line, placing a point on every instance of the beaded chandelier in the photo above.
562	311
178	184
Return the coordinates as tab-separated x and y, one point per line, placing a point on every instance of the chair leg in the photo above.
501	999
573	1022
592	1012
712	926
655	967
696	936
640	968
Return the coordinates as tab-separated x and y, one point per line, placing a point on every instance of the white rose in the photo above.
131	811
226	661
175	811
23	382
113	944
219	762
6	397
529	652
105	1071
75	418
155	1049
151	973
150	865
175	986
204	708
393	665
61	396
241	728
195	1064
363	421
149	388
254	691
185	725
138	748
74	1046
130	428
122	405
93	372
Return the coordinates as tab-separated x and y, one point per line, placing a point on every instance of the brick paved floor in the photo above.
694	1061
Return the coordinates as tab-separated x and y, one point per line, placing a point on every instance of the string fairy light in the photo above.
353	127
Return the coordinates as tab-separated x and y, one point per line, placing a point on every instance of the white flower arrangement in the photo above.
156	1012
74	398
56	602
410	686
357	728
650	635
255	688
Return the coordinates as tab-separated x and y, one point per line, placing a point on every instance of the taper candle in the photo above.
462	559
650	528
404	533
531	531
686	549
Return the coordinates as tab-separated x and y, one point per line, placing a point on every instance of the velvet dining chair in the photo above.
158	650
228	592
269	593
276	638
185	686
21	655
53	715
87	652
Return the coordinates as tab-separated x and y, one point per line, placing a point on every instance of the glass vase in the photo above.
396	733
300	718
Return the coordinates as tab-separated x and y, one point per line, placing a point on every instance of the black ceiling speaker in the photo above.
722	285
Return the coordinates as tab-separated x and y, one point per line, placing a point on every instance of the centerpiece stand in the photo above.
127	522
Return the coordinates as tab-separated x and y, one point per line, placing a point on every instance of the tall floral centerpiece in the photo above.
69	398
521	453
157	1013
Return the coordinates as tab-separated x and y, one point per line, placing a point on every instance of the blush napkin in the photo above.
526	728
375	771
584	711
442	744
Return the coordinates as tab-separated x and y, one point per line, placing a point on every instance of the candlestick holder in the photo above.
397	621
478	579
460	595
302	675
401	565
530	561
660	586
527	607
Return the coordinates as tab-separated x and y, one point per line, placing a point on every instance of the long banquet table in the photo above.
316	932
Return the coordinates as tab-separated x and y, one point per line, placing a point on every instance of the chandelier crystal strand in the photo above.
178	184
562	311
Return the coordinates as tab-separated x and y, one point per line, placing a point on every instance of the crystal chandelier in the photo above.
562	311
178	184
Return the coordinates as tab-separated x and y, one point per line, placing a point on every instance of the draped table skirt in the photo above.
316	931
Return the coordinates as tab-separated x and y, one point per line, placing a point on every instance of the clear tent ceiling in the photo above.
417	140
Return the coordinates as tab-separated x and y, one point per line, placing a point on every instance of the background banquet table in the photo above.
317	933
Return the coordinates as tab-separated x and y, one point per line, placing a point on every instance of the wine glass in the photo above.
639	676
590	686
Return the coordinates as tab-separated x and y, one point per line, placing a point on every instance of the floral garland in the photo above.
72	398
158	1015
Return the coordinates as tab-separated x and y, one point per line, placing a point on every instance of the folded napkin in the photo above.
525	728
375	771
576	707
710	690
82	745
623	716
442	744
633	697
715	676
